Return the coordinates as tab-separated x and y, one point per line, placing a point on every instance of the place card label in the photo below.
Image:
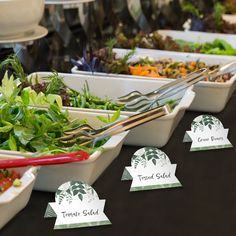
151	169
207	132
77	205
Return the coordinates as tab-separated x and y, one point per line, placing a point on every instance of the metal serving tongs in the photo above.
87	134
136	101
45	160
172	85
227	68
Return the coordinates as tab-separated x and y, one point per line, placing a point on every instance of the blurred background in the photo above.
73	28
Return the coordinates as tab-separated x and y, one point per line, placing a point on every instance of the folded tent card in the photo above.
207	132
77	205
150	169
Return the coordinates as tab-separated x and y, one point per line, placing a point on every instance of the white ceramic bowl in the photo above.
154	133
51	177
19	17
15	199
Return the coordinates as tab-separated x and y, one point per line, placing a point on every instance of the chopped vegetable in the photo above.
163	68
146	70
168	68
17	183
9	178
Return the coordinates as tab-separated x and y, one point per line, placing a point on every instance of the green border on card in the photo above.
151	187
126	175
50	212
210	147
82	225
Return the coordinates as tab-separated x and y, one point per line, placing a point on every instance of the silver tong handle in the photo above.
165	89
133	121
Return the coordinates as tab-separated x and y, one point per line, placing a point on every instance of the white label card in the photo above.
207	132
77	205
151	169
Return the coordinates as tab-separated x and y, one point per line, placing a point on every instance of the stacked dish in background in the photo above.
20	20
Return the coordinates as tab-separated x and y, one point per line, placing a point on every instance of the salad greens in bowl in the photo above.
28	131
52	89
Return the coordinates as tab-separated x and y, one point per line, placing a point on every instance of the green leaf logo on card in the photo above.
207	133
74	190
203	121
150	169
143	156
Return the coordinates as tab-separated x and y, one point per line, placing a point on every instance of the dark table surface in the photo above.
205	205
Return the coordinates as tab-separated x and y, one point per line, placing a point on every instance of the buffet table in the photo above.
205	205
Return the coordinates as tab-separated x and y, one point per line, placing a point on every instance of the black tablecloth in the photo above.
205	205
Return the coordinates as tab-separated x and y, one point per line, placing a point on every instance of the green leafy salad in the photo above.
155	40
218	46
52	89
29	129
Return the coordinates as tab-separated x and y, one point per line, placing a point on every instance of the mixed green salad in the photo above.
52	89
157	41
30	129
218	46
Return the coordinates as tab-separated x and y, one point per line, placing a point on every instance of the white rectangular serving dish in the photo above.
199	37
15	199
210	96
155	133
51	177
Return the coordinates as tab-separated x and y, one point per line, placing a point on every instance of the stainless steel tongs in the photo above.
85	134
136	101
